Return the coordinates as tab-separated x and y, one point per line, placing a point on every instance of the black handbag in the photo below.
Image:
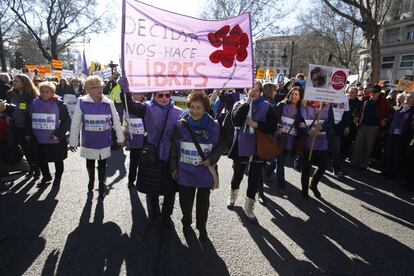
149	152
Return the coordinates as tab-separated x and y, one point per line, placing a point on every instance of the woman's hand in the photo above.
73	148
54	138
206	163
346	131
251	123
174	174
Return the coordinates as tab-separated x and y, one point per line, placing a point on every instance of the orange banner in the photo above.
57	64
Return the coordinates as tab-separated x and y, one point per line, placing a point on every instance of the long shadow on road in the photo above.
339	244
279	257
93	248
23	218
370	193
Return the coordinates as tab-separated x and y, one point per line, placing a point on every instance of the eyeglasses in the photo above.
160	96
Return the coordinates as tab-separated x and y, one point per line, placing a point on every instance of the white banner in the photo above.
325	84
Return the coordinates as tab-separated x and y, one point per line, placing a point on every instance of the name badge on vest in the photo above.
136	126
287	125
97	122
43	121
189	153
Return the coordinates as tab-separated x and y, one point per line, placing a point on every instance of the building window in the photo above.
272	63
387	62
407	61
392	35
410	32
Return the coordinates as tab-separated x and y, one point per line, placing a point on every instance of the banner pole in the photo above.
127	115
314	138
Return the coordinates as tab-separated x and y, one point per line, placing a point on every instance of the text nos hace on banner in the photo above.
144	28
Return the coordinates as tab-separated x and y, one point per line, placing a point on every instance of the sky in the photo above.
107	46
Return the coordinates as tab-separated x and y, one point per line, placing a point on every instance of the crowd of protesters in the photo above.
174	151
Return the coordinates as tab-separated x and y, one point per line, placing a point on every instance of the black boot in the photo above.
102	180
262	198
305	185
314	188
91	174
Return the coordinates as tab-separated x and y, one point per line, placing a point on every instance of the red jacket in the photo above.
385	110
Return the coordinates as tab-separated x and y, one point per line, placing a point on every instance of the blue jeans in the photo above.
278	167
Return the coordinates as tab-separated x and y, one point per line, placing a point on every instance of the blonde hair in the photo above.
48	84
29	89
91	80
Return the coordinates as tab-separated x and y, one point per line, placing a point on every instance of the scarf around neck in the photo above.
203	128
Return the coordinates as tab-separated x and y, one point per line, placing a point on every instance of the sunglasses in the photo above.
160	96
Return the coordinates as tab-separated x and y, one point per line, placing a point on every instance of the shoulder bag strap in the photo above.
163	128
195	141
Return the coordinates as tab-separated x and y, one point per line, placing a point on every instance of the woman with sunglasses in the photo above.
50	121
95	116
159	118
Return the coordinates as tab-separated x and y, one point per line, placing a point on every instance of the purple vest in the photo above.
136	130
20	112
96	124
189	173
247	147
310	113
288	120
399	120
154	121
45	120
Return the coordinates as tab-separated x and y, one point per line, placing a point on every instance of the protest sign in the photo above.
260	74
406	85
162	50
180	101
70	100
325	84
57	64
67	73
106	74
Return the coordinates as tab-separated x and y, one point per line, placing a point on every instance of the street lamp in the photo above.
291	59
284	57
112	66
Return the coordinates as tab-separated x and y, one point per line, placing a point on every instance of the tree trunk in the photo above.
2	53
54	47
375	59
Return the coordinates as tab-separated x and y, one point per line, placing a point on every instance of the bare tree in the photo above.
340	37
265	13
370	18
7	22
55	24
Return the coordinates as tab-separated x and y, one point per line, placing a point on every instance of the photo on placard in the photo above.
320	77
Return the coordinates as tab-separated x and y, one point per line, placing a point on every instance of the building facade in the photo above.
275	53
397	45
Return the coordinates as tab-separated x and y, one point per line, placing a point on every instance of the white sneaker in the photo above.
248	209
232	198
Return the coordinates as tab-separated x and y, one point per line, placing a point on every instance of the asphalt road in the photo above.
363	226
